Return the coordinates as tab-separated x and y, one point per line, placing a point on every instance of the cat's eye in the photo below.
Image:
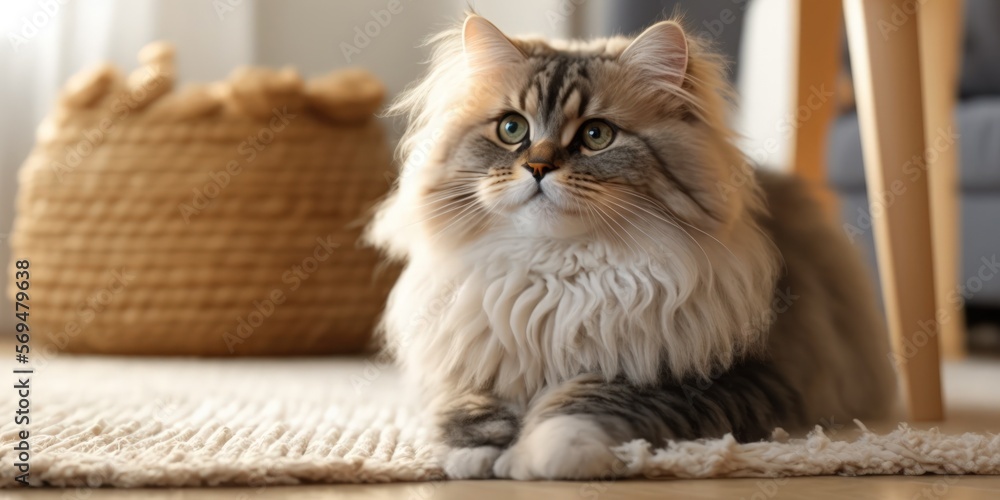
597	134
512	128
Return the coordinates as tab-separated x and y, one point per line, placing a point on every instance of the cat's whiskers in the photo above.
449	197
641	217
618	215
594	216
607	217
585	203
460	187
666	211
606	189
451	201
442	210
592	186
582	208
491	210
494	189
708	259
470	189
432	217
473	207
672	222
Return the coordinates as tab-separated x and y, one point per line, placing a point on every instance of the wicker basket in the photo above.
218	219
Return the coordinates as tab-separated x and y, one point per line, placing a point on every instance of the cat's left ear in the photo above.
661	51
486	48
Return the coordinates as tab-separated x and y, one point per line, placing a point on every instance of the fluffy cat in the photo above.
590	260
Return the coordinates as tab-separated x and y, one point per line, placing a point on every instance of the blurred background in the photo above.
47	41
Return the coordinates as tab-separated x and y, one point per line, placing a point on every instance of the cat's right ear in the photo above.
661	52
487	49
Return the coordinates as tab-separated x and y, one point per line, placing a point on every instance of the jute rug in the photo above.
154	422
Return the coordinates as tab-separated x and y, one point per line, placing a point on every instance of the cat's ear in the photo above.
661	51
486	47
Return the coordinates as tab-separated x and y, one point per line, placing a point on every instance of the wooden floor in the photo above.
973	402
814	488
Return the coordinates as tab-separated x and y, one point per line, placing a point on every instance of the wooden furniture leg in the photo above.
940	24
886	65
817	64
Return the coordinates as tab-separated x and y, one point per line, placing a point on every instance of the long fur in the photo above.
677	283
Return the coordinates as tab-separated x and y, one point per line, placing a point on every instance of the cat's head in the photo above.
621	140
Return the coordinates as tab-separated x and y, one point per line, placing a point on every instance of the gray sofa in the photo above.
978	126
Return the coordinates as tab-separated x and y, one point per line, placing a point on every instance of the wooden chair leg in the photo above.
940	53
817	64
886	66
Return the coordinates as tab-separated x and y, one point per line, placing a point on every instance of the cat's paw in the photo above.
561	447
471	463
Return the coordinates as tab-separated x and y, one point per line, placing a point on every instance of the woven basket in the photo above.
219	219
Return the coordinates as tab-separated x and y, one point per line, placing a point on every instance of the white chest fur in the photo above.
517	315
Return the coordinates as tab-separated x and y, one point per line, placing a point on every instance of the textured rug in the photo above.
153	422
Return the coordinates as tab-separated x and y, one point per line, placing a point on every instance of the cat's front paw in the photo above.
471	463
561	447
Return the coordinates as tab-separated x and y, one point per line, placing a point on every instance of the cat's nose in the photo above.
539	169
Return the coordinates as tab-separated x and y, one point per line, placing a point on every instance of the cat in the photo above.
589	260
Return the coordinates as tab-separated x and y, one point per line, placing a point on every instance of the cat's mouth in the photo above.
538	199
548	201
543	196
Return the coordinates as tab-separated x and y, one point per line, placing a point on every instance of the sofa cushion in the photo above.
978	122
